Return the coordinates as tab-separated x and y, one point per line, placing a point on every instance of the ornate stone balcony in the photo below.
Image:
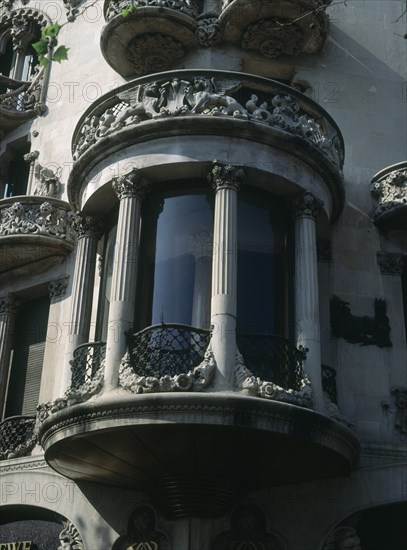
167	429
33	229
17	436
389	187
157	34
205	104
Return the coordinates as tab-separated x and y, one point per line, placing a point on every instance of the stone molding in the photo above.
9	305
32	216
57	287
226	176
198	378
390	263
307	206
131	184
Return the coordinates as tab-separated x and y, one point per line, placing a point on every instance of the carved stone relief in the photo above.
57	287
189	7
209	32
153	53
142	533
210	97
390	191
70	538
362	330
390	263
343	538
48	183
273	37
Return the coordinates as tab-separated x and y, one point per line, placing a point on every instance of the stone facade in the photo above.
233	373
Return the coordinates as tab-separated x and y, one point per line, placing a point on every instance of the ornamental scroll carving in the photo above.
198	378
205	96
70	538
37	219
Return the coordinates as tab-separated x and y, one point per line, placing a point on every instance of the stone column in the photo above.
225	180
306	208
89	230
130	189
8	310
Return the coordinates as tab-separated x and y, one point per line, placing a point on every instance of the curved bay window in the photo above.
175	259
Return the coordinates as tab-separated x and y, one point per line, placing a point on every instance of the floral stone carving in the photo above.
37	219
204	96
390	190
209	32
189	7
245	380
273	37
198	378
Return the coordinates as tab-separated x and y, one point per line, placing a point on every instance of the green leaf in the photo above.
125	12
42	60
60	54
41	46
51	30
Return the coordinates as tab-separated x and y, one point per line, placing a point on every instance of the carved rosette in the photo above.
226	176
198	378
209	32
152	53
131	185
307	206
88	226
390	263
8	305
274	37
58	287
390	190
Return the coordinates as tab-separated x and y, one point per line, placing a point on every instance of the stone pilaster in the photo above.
225	180
306	208
89	230
31	157
130	189
8	309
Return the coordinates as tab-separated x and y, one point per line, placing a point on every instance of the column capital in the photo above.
226	176
131	184
8	305
58	287
88	226
306	205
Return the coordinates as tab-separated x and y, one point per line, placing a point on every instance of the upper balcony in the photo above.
154	35
17	436
178	118
34	229
389	187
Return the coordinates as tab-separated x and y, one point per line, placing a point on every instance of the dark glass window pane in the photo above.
261	280
175	260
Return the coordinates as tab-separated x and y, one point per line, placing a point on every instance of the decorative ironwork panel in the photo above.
167	350
87	360
17	436
329	383
273	358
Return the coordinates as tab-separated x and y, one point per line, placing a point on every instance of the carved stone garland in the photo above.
245	380
209	97
198	378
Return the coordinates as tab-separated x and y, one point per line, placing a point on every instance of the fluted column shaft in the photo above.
89	231
8	310
306	210
130	189
225	180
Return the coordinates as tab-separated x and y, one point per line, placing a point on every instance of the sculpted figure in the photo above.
205	96
258	112
143	103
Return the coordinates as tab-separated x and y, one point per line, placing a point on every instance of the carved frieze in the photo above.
390	263
33	218
198	378
131	184
363	330
389	188
203	95
152	53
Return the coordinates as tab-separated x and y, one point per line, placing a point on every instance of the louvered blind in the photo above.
28	356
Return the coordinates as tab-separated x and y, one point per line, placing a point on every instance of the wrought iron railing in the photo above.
17	437
328	375
86	362
167	350
22	96
273	358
